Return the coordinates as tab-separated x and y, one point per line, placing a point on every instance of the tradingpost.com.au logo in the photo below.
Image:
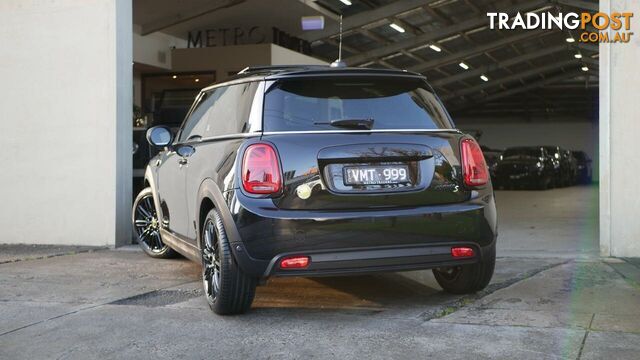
618	22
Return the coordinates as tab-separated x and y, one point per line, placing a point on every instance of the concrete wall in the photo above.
284	56
619	129
65	120
155	49
568	133
231	59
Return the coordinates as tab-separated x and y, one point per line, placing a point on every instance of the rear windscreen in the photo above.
313	103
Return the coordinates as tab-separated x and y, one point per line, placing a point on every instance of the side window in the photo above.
188	129
221	111
230	113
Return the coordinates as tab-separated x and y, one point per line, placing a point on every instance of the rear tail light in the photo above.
462	252
261	170
294	262
474	168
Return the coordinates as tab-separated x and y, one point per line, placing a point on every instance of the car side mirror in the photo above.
159	136
185	150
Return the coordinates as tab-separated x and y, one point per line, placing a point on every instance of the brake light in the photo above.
261	170
474	168
462	252
294	262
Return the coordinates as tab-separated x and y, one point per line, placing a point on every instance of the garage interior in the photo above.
508	88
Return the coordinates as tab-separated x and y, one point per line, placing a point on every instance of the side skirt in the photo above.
180	245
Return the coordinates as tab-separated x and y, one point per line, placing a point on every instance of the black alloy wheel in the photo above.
227	288
210	262
146	226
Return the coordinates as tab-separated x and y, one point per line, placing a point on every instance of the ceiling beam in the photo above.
590	61
478	50
364	18
498	65
515	77
186	15
321	9
521	89
431	36
588	47
587	5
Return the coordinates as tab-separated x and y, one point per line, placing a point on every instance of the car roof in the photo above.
285	71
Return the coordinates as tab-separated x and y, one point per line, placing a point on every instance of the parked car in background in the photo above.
562	172
530	167
571	167
492	156
585	169
315	171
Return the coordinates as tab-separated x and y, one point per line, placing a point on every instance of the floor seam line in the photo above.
472	298
82	309
584	339
49	256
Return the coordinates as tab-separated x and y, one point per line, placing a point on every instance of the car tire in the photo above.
545	184
146	227
227	288
466	279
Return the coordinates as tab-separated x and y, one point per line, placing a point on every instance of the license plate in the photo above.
376	175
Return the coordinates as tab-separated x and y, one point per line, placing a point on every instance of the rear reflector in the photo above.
261	170
294	262
474	168
462	252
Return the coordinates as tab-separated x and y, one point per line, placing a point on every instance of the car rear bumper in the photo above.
351	242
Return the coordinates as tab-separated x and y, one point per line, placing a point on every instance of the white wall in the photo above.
155	49
231	59
619	129
284	56
65	120
570	134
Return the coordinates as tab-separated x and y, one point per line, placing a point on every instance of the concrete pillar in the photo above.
65	121
619	139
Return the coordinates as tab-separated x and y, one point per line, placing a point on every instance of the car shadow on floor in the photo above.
367	293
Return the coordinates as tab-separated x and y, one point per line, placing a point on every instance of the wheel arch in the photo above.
210	197
149	181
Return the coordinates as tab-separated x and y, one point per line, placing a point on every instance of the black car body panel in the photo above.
344	229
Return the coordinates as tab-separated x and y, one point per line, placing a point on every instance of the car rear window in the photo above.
304	104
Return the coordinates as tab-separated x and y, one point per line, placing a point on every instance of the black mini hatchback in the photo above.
316	171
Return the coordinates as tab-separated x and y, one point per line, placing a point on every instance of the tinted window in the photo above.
531	152
580	155
393	103
221	111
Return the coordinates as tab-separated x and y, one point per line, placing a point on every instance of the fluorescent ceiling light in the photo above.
484	78
312	22
571	40
435	48
584	68
464	66
397	27
346	2
578	56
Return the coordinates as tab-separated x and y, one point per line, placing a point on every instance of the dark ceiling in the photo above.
531	73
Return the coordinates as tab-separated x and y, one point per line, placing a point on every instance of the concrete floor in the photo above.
553	223
122	304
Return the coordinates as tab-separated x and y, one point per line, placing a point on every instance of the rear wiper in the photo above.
366	124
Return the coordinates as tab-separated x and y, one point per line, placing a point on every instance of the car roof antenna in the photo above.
339	62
